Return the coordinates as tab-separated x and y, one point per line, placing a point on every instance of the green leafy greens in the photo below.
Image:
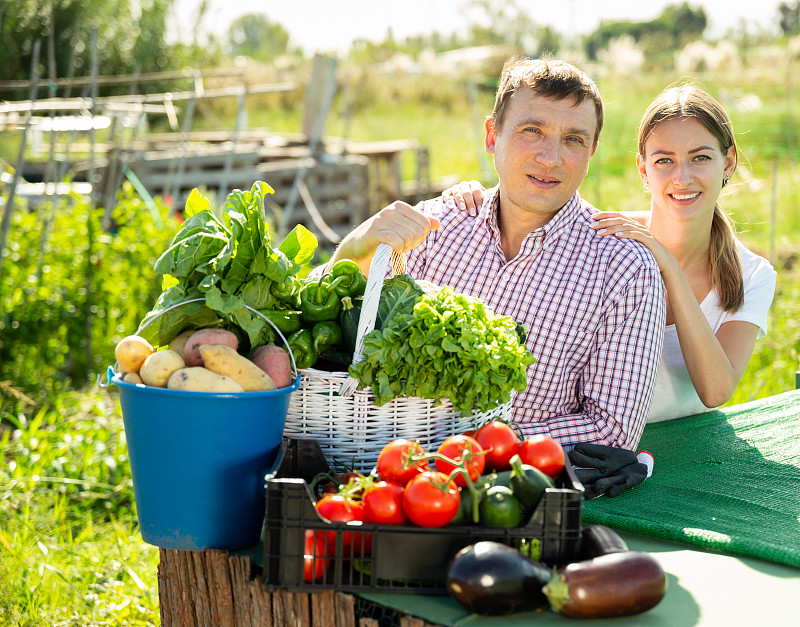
449	345
230	263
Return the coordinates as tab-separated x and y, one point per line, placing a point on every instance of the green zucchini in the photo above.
348	323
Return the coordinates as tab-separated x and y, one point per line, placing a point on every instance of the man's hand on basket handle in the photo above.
399	225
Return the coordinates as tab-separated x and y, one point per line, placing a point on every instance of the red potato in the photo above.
275	361
191	351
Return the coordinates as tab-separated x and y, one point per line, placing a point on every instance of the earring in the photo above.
726	180
646	187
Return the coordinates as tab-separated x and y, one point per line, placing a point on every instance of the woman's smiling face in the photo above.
684	166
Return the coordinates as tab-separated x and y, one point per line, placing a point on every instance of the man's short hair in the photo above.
550	78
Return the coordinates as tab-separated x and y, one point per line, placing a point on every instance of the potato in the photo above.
275	361
132	377
131	351
201	337
199	379
158	367
178	343
226	361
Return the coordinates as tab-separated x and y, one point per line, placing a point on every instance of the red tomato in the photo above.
392	459
314	562
429	505
502	442
454	447
383	503
339	508
544	453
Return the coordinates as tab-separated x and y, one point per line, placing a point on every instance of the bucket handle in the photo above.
112	369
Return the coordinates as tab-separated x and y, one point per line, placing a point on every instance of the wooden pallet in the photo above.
337	184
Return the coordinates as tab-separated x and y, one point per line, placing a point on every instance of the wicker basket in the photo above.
349	427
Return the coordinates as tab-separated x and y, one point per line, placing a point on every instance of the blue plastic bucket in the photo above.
199	461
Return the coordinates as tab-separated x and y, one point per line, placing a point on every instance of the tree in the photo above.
508	23
677	25
255	36
133	38
789	18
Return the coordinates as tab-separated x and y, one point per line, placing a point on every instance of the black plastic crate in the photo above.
404	558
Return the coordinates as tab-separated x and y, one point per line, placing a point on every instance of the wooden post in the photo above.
318	104
5	226
773	212
93	100
50	177
241	116
187	129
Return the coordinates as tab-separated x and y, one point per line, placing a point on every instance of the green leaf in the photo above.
256	293
196	203
221	302
448	345
299	246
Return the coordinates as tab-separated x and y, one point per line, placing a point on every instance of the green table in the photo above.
703	589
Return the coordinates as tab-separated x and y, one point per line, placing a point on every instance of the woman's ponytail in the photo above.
725	267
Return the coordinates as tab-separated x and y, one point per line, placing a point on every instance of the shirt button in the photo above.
504	278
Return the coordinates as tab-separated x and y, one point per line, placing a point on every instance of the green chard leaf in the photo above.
299	246
231	263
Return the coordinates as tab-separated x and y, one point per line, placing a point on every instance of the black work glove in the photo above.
605	469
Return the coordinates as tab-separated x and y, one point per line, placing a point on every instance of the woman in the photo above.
718	291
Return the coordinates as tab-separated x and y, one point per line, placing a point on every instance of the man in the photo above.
594	306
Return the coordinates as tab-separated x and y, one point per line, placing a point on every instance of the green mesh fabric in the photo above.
727	480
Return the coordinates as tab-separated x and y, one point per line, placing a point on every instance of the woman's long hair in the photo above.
689	101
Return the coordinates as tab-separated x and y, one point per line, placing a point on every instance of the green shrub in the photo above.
65	304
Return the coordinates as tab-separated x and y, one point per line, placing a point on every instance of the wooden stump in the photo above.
215	589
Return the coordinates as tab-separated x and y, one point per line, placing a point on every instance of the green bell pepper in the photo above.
301	344
287	321
347	278
319	301
287	291
528	484
326	335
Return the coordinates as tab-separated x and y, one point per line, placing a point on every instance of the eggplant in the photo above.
599	540
494	579
616	584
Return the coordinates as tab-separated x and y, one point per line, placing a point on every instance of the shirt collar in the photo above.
565	217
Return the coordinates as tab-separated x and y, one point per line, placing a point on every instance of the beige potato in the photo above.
226	361
131	351
201	337
178	343
158	367
133	377
199	379
275	361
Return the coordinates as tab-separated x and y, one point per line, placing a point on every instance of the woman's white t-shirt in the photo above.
674	395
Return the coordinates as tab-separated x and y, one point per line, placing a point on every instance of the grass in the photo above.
70	551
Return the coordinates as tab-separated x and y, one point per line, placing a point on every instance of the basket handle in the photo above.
111	370
383	258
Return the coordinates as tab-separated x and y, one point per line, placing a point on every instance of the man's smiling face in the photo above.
541	151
